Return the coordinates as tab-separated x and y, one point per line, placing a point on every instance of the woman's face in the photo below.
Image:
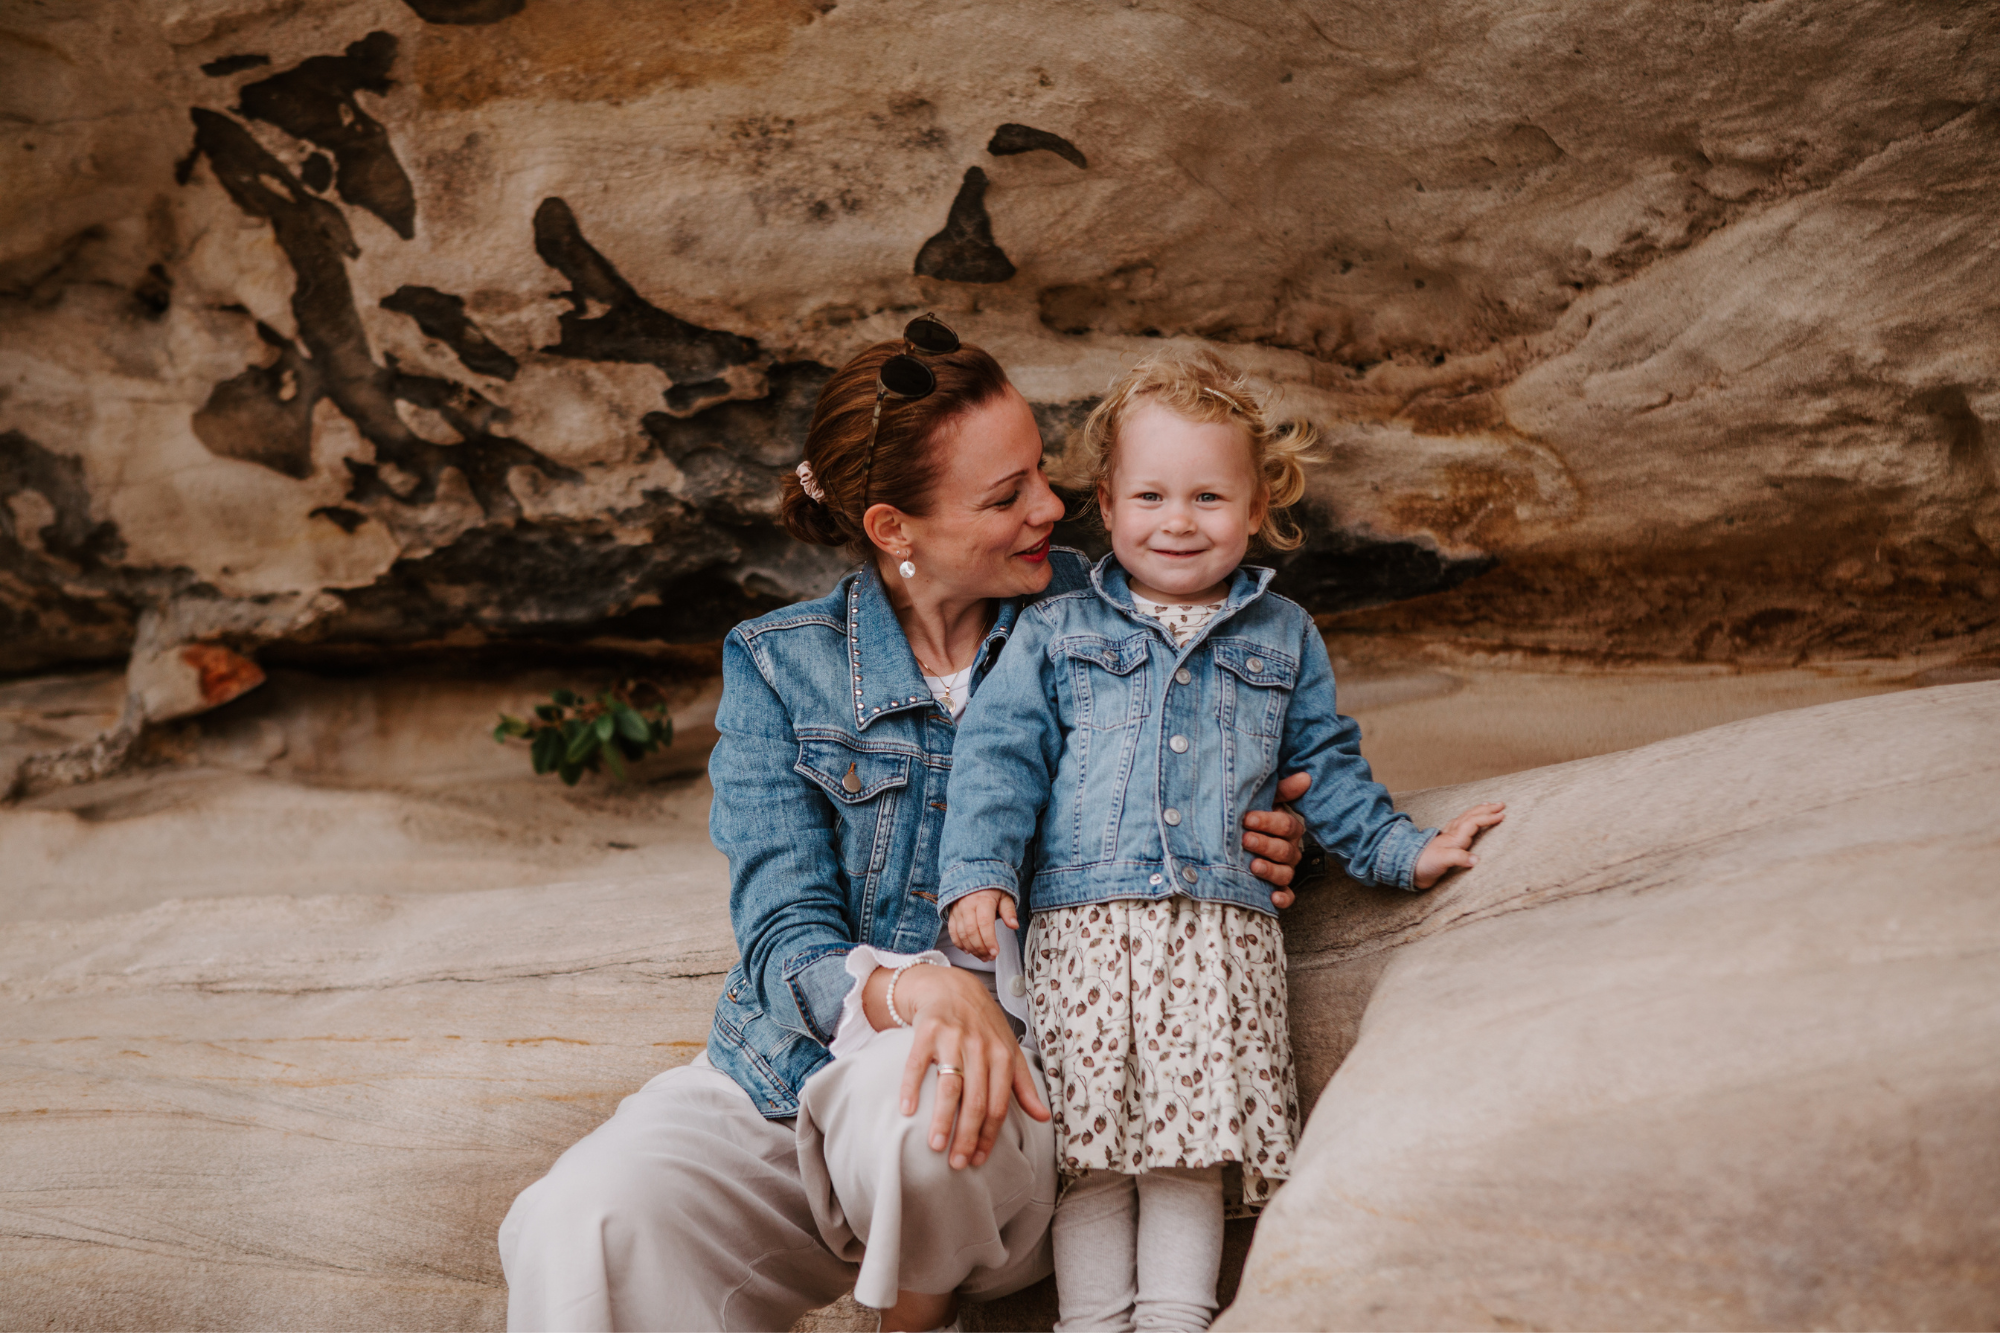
987	534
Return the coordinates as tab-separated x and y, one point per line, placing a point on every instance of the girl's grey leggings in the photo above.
1139	1252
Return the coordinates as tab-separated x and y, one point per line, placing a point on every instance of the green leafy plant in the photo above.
571	735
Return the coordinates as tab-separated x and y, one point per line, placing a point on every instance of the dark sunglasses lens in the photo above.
907	377
930	335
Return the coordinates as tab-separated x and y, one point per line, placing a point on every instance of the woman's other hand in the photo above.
972	921
1451	849
957	1023
1275	840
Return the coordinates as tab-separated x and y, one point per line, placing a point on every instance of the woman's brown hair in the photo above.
906	463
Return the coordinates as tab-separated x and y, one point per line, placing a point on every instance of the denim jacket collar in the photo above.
887	678
1246	585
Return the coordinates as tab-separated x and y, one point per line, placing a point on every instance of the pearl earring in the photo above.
906	569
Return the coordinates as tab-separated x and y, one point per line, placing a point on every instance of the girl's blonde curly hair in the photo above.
1197	385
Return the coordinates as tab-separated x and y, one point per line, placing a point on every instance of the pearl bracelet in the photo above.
897	976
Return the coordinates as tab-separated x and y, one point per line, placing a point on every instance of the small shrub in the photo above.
571	735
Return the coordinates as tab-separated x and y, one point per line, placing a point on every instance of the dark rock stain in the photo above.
64	598
1011	138
631	328
264	415
317	173
316	101
347	520
965	250
313	235
442	316
223	66
1338	570
155	291
734	455
466	12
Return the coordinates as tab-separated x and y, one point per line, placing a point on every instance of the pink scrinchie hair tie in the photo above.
808	485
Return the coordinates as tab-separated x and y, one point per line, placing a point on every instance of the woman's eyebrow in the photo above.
1010	477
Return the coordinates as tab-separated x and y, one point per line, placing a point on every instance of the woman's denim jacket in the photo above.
829	799
1106	762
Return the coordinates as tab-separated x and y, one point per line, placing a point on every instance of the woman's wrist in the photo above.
917	987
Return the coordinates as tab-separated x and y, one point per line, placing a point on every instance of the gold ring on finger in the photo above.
944	1069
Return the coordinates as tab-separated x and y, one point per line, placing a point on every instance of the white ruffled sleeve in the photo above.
855	1031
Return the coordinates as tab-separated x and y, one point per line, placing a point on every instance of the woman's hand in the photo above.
957	1023
1275	839
1451	848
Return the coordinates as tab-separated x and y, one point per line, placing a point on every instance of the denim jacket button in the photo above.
1155	881
1255	663
1171	815
1178	744
1187	873
1184	676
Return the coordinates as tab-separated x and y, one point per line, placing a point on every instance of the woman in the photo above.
864	1115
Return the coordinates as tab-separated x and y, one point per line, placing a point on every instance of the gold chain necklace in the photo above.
945	681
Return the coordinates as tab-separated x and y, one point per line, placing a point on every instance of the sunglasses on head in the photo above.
907	377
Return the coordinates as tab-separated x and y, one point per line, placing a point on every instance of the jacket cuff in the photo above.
971	876
1396	858
819	984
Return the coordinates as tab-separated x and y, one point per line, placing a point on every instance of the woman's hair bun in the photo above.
824	498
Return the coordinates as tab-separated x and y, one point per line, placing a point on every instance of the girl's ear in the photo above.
1260	507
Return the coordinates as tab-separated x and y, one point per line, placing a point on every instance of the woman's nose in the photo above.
1045	506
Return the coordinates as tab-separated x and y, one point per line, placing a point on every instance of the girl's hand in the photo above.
1450	849
1276	840
972	921
958	1023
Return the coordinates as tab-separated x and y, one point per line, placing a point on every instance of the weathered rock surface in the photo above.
1707	1041
1704	1042
373	327
313	1112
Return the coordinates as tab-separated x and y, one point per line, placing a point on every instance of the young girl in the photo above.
1113	751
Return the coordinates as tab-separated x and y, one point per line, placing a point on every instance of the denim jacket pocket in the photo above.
1260	682
857	780
1109	677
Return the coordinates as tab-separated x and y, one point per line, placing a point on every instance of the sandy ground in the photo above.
391	783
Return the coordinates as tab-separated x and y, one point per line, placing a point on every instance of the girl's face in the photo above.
1182	501
992	511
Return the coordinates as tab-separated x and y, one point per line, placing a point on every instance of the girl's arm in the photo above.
1002	764
1348	812
778	831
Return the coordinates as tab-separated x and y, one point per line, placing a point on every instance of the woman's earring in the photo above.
906	569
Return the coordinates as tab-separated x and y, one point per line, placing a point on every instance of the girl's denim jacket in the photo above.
829	798
1107	763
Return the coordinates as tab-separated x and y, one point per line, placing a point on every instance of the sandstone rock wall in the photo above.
372	327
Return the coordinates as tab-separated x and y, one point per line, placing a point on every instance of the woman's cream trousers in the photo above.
688	1210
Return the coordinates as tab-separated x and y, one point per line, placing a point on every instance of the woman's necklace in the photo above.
944	683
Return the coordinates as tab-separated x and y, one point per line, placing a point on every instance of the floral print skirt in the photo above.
1165	1038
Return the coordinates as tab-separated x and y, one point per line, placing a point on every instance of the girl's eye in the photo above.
1208	498
1150	497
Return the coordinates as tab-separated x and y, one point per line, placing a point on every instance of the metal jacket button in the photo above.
1183	676
1178	744
850	783
1187	873
1171	815
1154	880
1255	664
